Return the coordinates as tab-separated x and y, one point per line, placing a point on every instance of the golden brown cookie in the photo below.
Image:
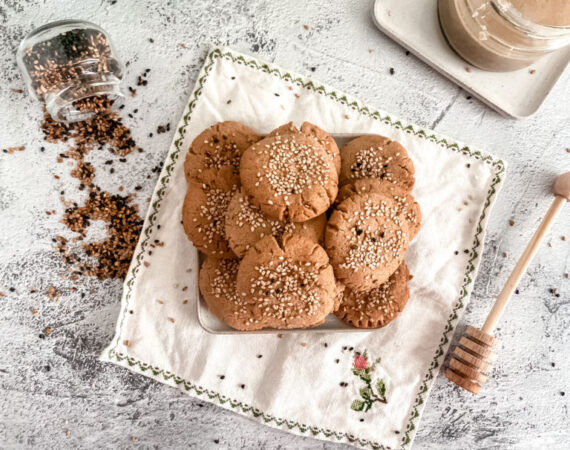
290	178
325	140
246	224
218	287
291	285
218	149
204	214
405	201
379	306
373	156
366	238
313	131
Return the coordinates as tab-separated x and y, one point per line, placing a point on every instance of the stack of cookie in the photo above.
374	219
257	208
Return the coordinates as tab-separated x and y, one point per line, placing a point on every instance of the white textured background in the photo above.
49	386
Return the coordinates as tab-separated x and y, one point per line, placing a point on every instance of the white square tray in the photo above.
415	25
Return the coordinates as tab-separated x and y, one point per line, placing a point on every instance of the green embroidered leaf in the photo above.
365	376
357	405
356	372
365	392
381	387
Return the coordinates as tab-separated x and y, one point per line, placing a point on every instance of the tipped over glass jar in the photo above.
72	67
505	35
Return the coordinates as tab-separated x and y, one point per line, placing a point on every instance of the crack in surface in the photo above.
445	110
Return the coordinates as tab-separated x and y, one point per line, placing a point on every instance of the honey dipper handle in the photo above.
522	265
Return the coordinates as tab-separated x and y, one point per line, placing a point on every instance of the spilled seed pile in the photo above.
110	257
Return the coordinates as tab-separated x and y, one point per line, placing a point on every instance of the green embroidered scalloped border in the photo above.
498	165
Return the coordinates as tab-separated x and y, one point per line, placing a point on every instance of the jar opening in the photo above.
83	99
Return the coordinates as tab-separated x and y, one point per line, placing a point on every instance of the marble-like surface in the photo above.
53	391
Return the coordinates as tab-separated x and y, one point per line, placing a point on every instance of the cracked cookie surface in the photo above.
374	156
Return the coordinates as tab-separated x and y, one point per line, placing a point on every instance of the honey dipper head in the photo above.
562	186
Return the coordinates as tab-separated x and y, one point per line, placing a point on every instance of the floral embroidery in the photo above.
371	392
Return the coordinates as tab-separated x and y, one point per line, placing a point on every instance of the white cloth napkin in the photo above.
308	383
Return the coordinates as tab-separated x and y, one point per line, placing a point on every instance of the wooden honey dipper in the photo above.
474	354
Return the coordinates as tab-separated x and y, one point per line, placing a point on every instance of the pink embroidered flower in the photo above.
360	362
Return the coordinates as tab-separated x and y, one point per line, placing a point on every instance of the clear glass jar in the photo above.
505	35
72	67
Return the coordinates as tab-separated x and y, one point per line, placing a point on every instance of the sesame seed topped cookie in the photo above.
246	224
373	156
366	238
291	285
313	131
404	201
204	214
289	177
325	140
217	283
218	149
379	306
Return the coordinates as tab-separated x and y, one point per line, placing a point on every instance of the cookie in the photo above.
291	285
379	306
290	178
218	149
325	140
405	202
366	238
204	214
246	224
373	156
217	282
313	131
